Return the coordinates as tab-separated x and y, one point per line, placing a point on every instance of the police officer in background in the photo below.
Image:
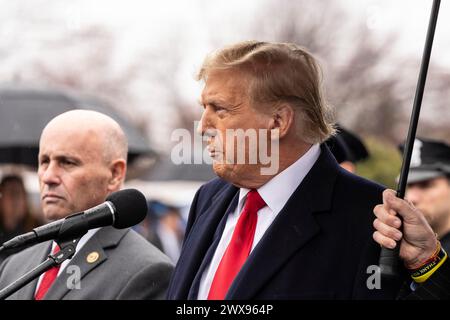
428	185
347	148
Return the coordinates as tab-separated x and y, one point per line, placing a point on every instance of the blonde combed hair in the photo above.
280	73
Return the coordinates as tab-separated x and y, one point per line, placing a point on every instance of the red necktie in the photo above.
239	247
48	279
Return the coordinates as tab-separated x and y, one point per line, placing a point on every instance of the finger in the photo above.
402	207
387	231
383	240
389	219
388	194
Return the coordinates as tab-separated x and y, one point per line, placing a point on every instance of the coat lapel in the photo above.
102	239
293	228
193	293
39	255
199	240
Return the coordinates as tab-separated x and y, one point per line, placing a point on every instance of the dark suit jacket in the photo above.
128	267
320	245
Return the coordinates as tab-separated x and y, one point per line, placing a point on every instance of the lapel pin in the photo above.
92	257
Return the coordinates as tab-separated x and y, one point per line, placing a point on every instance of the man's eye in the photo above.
68	163
219	109
424	184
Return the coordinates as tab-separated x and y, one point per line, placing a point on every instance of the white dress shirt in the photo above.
80	245
275	193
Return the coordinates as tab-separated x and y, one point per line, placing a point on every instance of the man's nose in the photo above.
50	175
205	123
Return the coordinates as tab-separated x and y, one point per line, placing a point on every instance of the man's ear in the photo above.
283	119
118	171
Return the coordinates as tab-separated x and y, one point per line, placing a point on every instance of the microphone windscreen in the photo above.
131	207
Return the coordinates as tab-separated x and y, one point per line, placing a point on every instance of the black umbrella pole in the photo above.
389	258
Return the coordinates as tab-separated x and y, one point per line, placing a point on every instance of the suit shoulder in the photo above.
149	273
359	185
143	250
210	189
24	255
214	185
356	197
22	262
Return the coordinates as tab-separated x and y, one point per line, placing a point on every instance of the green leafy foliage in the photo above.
383	165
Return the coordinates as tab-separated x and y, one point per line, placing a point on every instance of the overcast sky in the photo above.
410	19
137	19
142	25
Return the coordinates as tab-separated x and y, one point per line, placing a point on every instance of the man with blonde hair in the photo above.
302	231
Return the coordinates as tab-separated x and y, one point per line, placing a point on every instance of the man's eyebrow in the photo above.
67	157
60	157
216	102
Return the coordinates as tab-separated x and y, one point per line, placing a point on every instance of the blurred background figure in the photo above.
15	213
147	228
164	227
429	185
347	148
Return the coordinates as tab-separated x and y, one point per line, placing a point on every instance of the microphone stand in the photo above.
68	248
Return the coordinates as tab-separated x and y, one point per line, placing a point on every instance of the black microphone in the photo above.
122	209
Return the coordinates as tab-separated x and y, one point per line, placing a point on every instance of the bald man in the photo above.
82	159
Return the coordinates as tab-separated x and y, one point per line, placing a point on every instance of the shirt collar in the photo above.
83	239
277	191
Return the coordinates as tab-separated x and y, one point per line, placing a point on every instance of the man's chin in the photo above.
51	213
240	175
221	170
228	172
